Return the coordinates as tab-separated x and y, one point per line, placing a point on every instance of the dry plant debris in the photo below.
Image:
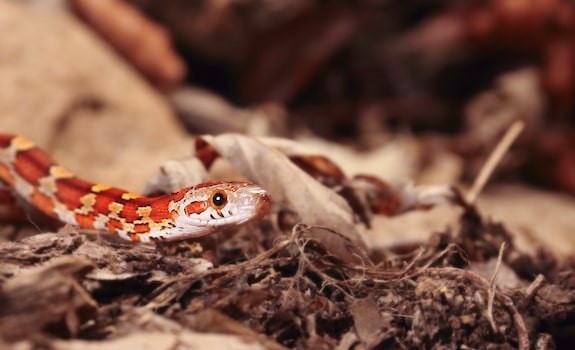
283	287
290	292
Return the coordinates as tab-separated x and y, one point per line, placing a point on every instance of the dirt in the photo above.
285	291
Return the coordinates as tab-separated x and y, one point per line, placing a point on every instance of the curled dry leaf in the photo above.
389	200
142	42
381	197
315	204
176	174
319	167
397	160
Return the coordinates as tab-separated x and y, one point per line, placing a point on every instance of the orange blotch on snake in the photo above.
178	196
141	228
70	191
135	237
130	211
160	210
146	209
108	201
85	220
159	213
32	165
196	207
40	201
115	225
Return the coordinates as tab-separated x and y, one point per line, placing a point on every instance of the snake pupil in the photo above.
219	199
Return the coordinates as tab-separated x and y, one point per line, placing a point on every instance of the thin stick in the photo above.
494	159
491	290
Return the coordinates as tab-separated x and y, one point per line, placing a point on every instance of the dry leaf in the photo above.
339	245
394	200
370	324
382	197
315	204
176	174
395	161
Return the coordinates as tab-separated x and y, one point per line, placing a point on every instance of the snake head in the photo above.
208	207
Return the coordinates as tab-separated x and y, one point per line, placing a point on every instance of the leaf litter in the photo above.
302	278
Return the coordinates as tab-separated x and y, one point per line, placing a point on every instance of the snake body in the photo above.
190	212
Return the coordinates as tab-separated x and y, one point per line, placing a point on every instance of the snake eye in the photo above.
219	199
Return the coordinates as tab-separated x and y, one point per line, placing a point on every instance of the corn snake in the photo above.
190	212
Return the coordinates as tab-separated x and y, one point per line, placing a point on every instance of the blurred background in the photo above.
439	80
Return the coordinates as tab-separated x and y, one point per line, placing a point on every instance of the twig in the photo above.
534	286
493	160
412	262
491	290
451	247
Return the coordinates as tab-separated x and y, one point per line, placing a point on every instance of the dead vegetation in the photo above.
290	291
304	287
354	116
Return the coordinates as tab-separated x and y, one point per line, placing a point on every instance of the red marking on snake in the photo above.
29	173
